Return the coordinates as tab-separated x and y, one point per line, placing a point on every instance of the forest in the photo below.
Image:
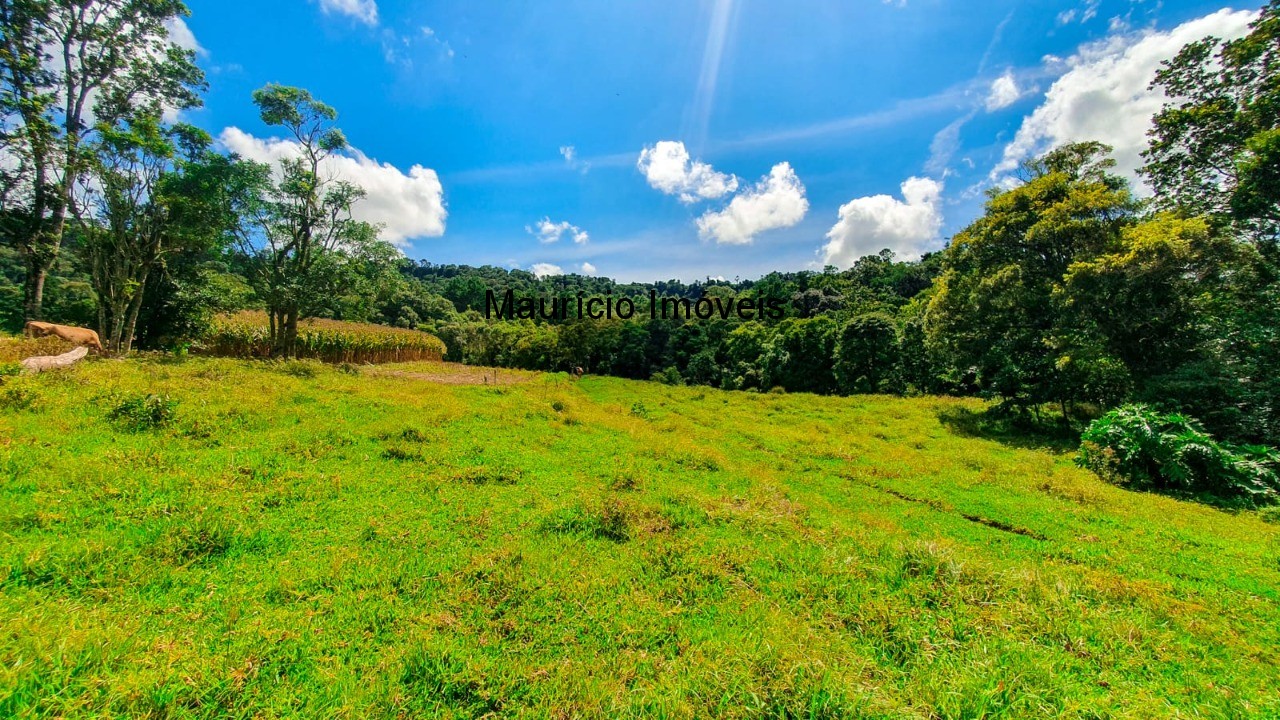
1075	296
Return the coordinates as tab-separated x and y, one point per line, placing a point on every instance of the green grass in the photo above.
334	544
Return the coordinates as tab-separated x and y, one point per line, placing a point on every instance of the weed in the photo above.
402	454
144	412
608	521
299	368
14	396
487	475
197	542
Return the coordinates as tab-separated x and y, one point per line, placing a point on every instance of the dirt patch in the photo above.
456	374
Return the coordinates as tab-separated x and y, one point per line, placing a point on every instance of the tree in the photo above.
1215	148
993	312
799	356
159	190
866	355
309	248
1137	302
63	64
1215	152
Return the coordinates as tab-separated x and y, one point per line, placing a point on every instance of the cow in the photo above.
74	335
577	373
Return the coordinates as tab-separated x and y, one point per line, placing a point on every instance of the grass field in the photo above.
294	540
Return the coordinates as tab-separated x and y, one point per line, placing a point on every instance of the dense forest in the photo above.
1072	294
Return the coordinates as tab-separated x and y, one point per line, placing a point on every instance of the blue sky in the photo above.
775	135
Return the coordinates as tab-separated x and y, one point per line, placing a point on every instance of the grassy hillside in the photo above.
290	539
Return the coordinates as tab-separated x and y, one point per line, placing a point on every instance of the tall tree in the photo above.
1215	147
309	247
63	65
993	313
866	355
1215	152
159	190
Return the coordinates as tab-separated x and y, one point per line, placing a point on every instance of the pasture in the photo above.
227	538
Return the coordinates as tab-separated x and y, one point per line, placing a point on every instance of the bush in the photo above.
17	396
670	376
299	368
144	412
1137	447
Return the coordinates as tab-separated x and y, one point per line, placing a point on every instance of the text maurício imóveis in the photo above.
602	307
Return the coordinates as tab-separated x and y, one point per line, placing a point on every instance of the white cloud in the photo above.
588	269
1090	10
366	11
944	146
1004	92
546	270
1105	93
868	225
668	167
409	49
1086	13
550	232
570	155
180	34
777	201
407	206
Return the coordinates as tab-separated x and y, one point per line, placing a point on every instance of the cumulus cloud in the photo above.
668	167
1003	93
406	205
868	225
1105	93
777	201
551	232
365	11
542	270
588	269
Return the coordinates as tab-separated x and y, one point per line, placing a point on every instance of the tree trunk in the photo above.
102	316
291	334
134	307
51	362
34	290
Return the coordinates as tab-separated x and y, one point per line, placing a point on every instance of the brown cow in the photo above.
74	335
577	373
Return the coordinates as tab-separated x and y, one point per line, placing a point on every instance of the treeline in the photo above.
1070	293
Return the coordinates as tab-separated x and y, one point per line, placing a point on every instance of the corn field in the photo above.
248	334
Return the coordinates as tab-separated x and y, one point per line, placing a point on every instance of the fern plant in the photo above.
1141	448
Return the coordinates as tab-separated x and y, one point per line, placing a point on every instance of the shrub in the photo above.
144	412
670	376
299	368
18	397
1138	447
